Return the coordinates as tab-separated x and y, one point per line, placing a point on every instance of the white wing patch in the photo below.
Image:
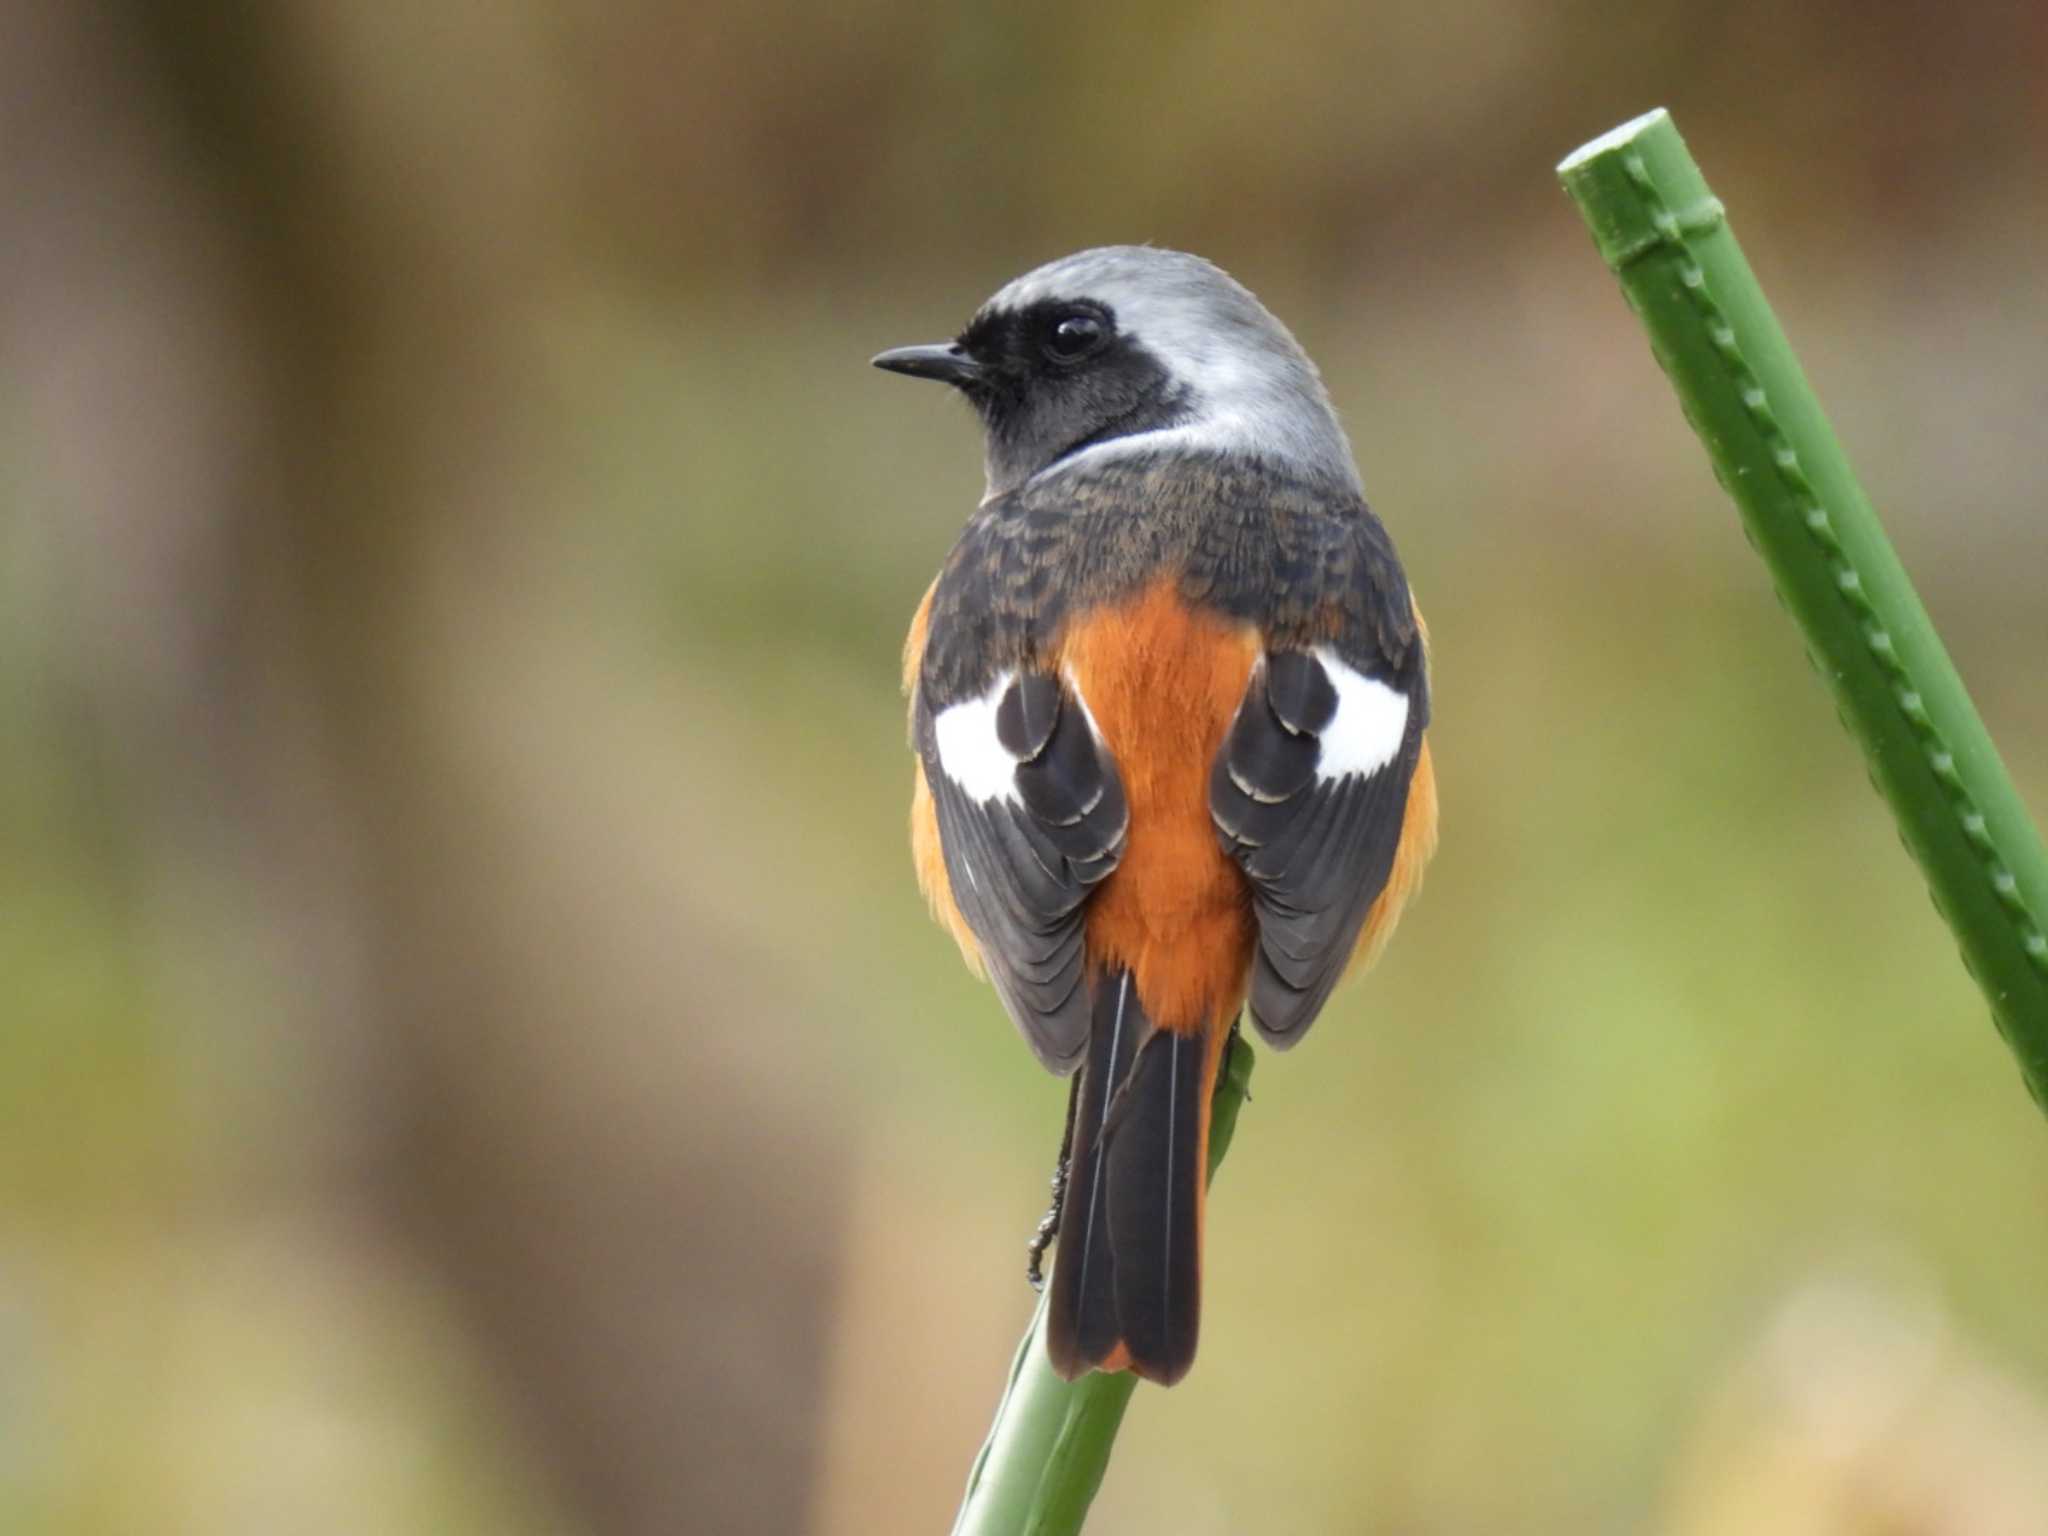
1365	733
970	752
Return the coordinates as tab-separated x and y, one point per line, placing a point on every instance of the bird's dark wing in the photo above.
1031	818
1309	793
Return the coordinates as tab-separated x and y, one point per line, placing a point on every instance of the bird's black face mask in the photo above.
1048	381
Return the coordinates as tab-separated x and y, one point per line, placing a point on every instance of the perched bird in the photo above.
1169	700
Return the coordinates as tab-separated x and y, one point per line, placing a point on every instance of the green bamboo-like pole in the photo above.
1044	1458
1667	239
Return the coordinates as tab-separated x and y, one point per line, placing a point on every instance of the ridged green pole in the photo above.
1668	241
1044	1458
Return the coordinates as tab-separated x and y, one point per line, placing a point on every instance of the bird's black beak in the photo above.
948	362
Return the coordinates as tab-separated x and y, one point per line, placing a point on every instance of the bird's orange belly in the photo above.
1162	681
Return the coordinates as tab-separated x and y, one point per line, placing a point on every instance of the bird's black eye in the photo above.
1075	336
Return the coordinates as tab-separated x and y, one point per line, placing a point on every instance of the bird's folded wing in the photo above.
1031	818
1309	794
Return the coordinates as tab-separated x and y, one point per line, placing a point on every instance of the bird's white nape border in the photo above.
1371	719
971	754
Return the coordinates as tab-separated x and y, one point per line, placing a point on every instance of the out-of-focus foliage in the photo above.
473	1058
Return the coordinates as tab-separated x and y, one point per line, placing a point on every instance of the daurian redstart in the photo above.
1169	698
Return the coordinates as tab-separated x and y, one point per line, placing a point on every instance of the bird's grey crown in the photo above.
1250	386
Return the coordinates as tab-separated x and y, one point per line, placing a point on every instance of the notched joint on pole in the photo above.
1670	230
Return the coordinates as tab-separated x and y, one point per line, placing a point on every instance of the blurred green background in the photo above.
473	1056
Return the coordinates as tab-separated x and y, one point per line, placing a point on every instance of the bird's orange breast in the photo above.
1162	680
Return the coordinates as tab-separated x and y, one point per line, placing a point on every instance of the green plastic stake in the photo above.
1667	239
1044	1458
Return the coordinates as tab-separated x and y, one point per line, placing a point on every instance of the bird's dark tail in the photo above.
1127	1280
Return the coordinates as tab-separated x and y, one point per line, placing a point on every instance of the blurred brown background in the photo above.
473	1058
